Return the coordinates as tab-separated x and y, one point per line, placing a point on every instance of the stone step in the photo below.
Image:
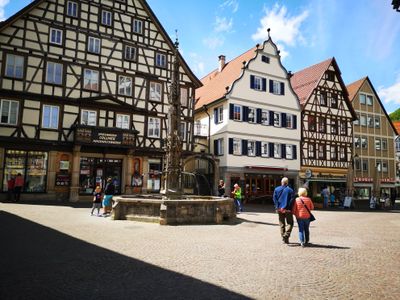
142	218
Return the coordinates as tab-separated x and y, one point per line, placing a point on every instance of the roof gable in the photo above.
354	87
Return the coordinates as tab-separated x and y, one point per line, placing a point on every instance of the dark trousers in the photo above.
17	193
286	224
10	195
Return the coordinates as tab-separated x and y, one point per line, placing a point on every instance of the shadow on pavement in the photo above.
37	262
312	245
240	220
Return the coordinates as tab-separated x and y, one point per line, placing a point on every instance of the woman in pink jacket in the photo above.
302	215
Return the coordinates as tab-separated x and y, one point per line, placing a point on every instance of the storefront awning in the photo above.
327	179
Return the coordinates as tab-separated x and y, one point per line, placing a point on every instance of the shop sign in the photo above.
104	137
363	179
63	179
388	180
308	173
64	165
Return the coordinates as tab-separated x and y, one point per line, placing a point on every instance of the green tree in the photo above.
395	116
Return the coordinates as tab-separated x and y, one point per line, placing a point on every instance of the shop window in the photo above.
154	178
137	178
32	165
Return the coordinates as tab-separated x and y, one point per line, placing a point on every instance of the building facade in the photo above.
397	142
84	95
374	142
249	116
327	133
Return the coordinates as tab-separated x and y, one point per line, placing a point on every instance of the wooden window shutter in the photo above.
264	85
231	108
259	115
244	147
283	150
283	121
258	148
230	145
294	151
271	86
215	115
282	88
294	122
271	118
252	81
245	114
216	147
271	149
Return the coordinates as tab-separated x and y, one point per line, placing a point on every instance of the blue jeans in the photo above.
304	230
326	201
238	205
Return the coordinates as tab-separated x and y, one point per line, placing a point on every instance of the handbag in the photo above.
312	218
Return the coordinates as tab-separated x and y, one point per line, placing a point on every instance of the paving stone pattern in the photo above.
61	252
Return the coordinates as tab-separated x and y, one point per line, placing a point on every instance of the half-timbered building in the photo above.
327	133
248	113
83	91
374	142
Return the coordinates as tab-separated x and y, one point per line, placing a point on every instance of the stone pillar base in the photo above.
74	194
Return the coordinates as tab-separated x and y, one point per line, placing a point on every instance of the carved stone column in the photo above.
128	173
76	164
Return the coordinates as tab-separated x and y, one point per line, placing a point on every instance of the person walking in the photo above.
283	199
108	194
221	188
96	200
325	194
393	196
237	196
10	188
18	185
301	209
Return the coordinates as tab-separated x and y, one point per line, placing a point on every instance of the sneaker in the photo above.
285	240
302	245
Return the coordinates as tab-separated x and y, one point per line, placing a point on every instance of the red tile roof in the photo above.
306	80
397	126
354	87
215	83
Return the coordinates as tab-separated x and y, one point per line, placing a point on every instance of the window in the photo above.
362	99
333	153
130	53
9	112
289	151
124	85
377	122
94	45
155	91
265	59
54	73
277	150
277	87
106	18
182	131
330	75
91	80
14	66
343	128
184	97
277	119
289	121
88	117
220	114
219	147
384	167
161	60
364	143
55	36
334	126
363	120
50	116
265	117
72	9
358	164
123	121
378	166
334	101
357	142
237	112
322	124
251	148
369	100
237	147
311	151
251	115
154	128
321	151
264	149
370	121
364	164
342	153
311	123
357	122
138	26
377	144
257	83
384	144
323	99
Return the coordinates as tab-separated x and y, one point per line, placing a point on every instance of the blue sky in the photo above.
363	35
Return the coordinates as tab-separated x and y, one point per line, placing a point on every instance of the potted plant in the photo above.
318	202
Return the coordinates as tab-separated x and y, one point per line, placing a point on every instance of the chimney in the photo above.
221	62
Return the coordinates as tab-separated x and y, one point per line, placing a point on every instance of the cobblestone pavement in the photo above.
61	252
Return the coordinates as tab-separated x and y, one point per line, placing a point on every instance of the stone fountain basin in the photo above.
189	209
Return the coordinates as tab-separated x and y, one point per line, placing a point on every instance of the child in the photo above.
96	200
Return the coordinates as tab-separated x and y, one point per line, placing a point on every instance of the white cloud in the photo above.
223	25
391	93
284	28
3	4
213	42
196	63
234	4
